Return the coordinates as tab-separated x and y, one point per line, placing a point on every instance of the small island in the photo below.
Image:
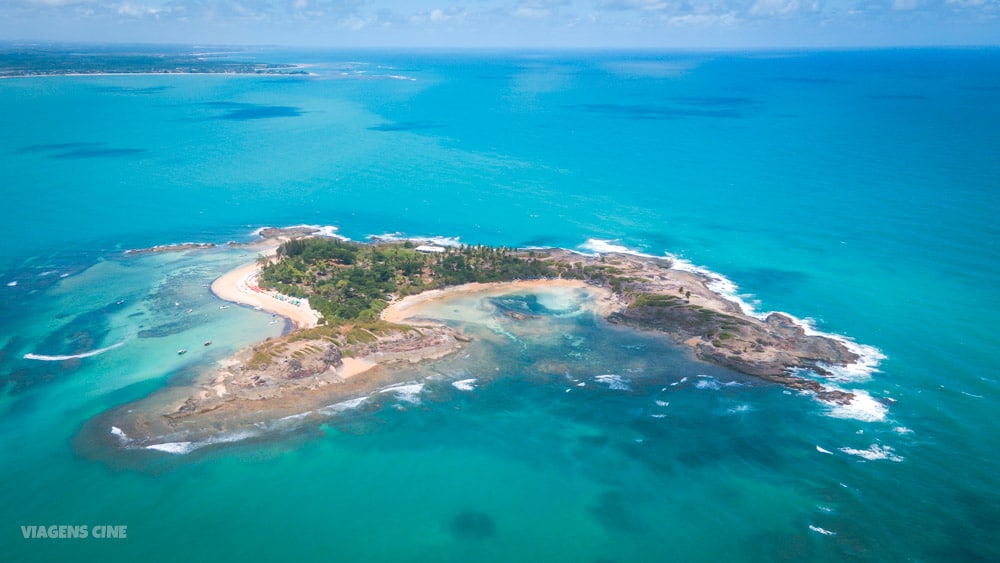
357	307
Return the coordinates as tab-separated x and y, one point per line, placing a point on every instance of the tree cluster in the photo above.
346	281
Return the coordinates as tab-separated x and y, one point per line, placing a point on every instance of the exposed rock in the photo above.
171	248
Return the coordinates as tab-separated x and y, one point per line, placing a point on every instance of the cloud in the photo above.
727	19
506	22
137	10
643	5
450	14
783	8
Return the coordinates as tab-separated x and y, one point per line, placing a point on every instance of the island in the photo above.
56	60
363	312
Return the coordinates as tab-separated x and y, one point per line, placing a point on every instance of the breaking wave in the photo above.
613	381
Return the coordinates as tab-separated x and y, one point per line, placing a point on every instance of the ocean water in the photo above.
857	190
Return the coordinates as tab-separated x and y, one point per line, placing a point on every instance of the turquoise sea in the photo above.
856	190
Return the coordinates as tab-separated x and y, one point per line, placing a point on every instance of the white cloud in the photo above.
966	3
450	14
727	19
644	5
137	10
783	8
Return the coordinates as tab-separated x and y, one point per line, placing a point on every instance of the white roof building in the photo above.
429	248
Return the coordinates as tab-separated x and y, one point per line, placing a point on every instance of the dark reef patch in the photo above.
245	112
473	525
611	511
125	90
79	150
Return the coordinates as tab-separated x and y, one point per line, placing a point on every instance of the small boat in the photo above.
208	343
223	307
182	351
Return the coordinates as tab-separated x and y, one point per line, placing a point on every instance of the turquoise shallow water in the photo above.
857	189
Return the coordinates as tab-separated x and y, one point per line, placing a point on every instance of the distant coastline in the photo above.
38	61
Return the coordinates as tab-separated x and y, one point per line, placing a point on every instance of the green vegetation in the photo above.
654	300
350	282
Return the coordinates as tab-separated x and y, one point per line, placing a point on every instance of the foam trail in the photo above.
46	358
181	448
285	422
819	530
342	406
823	450
176	448
464	384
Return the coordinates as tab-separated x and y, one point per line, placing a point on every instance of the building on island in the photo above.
429	248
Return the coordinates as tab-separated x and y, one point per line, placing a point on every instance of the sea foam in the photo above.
408	392
875	452
453	242
181	448
613	381
464	384
342	406
862	407
819	530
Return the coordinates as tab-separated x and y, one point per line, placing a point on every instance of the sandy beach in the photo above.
239	286
413	306
354	366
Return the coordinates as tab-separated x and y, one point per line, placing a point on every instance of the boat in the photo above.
182	351
208	343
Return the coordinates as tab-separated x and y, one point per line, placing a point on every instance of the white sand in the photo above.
237	286
354	366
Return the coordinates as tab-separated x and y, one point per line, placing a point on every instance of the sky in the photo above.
693	24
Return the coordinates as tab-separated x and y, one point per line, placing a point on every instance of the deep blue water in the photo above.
857	189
